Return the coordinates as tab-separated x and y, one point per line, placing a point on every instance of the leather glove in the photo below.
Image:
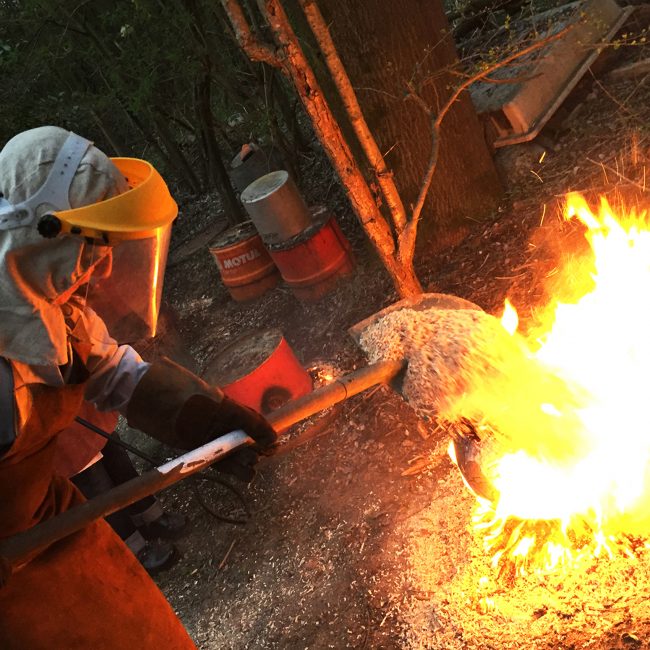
223	417
178	408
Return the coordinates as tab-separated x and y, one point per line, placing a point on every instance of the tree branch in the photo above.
500	64
344	86
407	240
256	49
328	131
491	80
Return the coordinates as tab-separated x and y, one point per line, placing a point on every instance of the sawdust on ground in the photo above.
361	538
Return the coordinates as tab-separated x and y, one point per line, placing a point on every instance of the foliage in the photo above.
130	75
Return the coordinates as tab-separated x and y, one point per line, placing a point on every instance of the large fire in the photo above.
576	480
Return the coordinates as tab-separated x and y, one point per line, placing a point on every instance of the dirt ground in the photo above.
345	547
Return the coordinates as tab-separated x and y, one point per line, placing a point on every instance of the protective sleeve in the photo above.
115	370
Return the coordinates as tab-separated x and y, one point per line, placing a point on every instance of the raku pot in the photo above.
259	370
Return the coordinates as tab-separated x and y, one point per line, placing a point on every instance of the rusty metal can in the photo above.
245	266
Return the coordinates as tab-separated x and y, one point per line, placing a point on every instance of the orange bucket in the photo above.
259	370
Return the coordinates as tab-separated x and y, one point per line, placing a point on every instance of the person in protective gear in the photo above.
70	218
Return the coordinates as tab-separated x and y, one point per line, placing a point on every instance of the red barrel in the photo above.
259	370
314	261
245	266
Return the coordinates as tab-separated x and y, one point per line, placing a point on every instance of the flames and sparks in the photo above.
575	481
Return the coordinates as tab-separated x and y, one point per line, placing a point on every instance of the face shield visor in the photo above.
126	288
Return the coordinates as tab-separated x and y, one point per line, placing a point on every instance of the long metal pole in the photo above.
18	548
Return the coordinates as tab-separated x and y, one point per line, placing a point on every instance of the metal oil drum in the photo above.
259	370
313	262
245	266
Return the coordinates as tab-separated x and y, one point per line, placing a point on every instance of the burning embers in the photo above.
558	417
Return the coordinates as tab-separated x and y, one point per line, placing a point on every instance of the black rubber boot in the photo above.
157	556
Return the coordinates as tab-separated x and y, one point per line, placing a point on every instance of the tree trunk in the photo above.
217	174
289	151
383	45
111	138
331	137
290	58
147	134
217	170
177	157
286	102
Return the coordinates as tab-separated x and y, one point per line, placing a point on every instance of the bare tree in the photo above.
393	235
290	58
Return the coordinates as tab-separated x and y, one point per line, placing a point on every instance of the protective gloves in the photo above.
178	408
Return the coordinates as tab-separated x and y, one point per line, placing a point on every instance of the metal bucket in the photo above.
259	370
314	262
245	266
276	207
251	163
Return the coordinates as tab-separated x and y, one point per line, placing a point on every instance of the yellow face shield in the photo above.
136	214
136	225
121	241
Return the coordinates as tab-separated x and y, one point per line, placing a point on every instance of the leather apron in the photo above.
87	590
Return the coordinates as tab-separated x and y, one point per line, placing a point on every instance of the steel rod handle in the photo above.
18	548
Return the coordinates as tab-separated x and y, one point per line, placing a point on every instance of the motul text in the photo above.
234	262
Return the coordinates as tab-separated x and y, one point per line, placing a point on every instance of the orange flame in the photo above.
577	422
510	318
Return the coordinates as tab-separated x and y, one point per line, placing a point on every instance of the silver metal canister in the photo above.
276	207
